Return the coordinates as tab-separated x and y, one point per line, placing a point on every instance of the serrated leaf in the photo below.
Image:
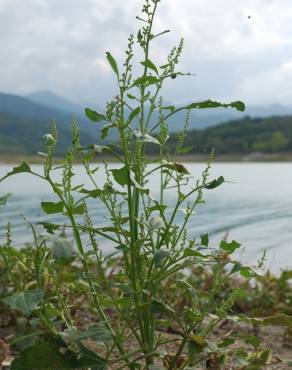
25	302
149	64
121	175
23	167
52	207
112	62
79	210
229	247
93	115
215	183
214	104
49	227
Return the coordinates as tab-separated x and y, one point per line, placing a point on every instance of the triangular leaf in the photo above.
26	301
23	167
52	207
229	247
121	176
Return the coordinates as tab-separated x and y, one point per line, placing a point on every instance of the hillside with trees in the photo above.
248	135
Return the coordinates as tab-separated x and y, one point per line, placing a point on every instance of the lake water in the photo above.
255	209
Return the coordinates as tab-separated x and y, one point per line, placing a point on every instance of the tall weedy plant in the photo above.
154	246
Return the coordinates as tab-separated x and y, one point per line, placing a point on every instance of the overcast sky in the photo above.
60	45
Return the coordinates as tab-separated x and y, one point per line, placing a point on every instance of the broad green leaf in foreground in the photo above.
47	356
26	301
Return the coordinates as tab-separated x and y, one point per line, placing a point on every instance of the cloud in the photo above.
237	49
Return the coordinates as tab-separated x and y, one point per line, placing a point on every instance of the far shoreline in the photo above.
190	158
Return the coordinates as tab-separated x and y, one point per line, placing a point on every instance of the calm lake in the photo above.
255	208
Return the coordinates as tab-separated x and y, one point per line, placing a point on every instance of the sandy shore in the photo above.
252	157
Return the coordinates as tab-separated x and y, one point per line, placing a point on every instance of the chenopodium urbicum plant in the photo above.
152	241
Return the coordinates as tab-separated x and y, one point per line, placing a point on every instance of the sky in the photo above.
237	49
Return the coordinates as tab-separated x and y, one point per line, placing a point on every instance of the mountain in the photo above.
23	123
52	100
24	120
248	135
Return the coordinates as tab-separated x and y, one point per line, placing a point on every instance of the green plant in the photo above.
153	245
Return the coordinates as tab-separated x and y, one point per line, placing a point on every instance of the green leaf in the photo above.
226	342
246	272
105	129
252	339
121	176
178	167
47	356
112	62
97	332
160	256
23	167
93	115
188	252
49	227
133	114
215	183
214	104
60	247
149	64
79	210
96	193
130	96
205	239
3	199
146	81
25	302
145	138
185	149
51	207
229	247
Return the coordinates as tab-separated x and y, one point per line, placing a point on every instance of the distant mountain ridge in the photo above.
52	100
24	122
25	119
